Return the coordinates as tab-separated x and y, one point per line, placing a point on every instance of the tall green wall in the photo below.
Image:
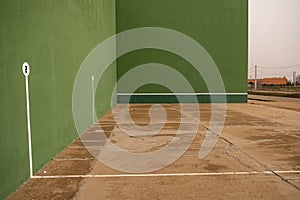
54	36
220	26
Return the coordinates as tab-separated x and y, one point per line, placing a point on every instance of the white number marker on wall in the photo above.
26	71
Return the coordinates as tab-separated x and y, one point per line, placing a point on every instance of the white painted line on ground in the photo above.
92	131
86	147
287	172
162	175
268	172
93	140
281	172
147	175
72	159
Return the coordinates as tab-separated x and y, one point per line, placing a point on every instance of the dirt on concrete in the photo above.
36	189
255	138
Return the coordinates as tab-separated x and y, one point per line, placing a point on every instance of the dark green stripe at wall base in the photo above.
230	98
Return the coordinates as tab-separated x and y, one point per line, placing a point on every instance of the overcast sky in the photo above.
274	37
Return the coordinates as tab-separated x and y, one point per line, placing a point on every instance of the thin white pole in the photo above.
255	85
26	71
249	37
294	79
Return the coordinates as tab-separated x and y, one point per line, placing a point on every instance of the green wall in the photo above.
54	36
220	26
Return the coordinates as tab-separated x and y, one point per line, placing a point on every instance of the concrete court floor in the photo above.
256	157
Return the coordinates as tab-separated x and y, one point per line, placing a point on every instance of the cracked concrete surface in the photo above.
257	137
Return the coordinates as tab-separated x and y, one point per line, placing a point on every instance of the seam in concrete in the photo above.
270	171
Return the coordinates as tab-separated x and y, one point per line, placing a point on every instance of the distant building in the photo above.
269	81
252	81
298	79
274	81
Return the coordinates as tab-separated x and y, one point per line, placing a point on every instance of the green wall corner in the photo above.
53	37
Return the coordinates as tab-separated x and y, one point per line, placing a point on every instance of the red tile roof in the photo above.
269	81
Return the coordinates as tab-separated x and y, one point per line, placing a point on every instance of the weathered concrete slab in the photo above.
256	157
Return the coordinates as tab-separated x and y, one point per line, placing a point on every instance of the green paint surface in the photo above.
54	36
221	27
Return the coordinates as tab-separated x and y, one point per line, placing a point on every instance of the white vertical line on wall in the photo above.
26	71
29	128
93	99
